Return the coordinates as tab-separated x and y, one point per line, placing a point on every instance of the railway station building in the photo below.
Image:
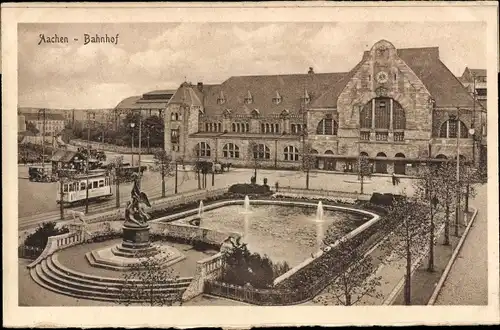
399	107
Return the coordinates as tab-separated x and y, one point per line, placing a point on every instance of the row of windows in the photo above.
269	128
75	186
297	128
213	127
240	127
261	151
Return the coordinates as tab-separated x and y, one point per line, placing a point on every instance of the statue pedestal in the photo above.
136	237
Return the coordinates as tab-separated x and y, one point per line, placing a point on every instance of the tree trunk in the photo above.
307	179
447	221
255	172
117	192
467	192
430	266
199	179
361	180
162	180
61	200
407	292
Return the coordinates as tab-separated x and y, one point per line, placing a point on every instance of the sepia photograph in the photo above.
295	163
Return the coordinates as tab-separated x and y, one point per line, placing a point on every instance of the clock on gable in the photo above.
382	77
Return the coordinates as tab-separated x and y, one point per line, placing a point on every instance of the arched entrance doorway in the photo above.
329	162
399	165
381	165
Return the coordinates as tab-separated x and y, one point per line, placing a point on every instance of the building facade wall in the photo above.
381	74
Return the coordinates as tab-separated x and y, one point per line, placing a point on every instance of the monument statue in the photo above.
136	227
135	212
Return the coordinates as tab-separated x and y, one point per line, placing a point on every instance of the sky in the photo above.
151	56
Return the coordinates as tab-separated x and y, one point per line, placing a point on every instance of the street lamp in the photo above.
87	165
43	137
457	208
132	125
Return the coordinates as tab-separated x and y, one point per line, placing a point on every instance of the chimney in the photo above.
311	70
200	86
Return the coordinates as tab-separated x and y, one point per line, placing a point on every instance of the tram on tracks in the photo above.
74	191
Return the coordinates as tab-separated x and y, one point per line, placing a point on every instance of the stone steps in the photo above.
96	261
51	275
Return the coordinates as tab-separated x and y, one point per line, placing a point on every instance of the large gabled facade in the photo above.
400	107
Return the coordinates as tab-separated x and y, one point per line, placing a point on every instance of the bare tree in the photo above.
256	152
116	166
197	164
356	271
364	170
163	162
309	161
428	191
408	228
143	284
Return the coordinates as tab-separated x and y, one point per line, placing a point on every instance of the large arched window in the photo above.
291	153
449	129
327	126
261	151
376	114
202	149
231	150
398	116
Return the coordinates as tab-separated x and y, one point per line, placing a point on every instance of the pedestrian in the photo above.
393	179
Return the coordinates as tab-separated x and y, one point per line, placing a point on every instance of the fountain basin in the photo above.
284	230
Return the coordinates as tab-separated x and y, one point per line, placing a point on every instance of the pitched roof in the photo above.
329	98
444	87
478	72
264	89
63	156
186	94
128	103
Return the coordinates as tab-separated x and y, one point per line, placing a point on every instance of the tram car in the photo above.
75	191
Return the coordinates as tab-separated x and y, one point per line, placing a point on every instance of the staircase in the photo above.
53	276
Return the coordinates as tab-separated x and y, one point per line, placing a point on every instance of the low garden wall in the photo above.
112	147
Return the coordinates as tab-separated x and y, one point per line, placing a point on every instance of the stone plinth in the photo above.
136	237
119	258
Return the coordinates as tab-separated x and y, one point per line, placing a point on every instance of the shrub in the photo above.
39	238
385	200
242	268
249	189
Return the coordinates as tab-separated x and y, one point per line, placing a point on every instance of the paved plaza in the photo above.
38	199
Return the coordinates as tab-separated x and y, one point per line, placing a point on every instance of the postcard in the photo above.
187	164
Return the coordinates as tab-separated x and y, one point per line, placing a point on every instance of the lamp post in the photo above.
140	145
457	208
43	137
87	165
132	125
472	132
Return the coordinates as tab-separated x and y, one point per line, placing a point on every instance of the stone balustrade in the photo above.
56	243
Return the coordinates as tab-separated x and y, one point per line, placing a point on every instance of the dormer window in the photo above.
221	99
255	113
277	98
248	98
